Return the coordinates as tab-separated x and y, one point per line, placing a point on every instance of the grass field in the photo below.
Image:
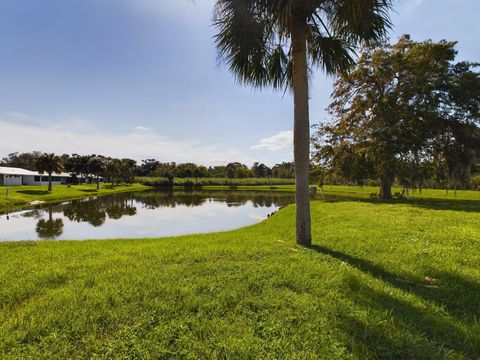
17	196
383	280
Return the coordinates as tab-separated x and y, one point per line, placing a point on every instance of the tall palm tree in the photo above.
49	163
277	42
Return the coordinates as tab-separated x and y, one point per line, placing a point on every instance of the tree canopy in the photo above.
406	112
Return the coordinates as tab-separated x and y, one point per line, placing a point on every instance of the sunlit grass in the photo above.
384	280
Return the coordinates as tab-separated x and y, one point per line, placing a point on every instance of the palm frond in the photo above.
361	20
332	54
254	41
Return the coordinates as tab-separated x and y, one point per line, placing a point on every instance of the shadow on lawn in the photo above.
88	190
33	192
456	294
398	329
426	203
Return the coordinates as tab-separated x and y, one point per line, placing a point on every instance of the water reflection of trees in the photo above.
153	199
95	211
50	228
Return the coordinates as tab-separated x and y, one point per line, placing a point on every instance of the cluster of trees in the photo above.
113	169
406	114
154	168
81	167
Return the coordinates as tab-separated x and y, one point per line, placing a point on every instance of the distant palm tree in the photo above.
276	42
49	163
113	170
96	166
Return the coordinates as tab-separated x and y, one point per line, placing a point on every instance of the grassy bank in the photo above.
383	280
17	196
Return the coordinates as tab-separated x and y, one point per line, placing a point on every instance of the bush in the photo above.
475	182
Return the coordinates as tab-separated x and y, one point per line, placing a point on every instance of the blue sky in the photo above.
140	79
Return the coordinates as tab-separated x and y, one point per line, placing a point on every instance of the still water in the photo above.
142	214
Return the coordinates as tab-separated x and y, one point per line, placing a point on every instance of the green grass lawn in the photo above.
384	280
17	196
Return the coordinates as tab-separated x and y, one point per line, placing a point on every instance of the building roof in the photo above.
5	170
15	171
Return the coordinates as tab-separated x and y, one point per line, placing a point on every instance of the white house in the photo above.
10	176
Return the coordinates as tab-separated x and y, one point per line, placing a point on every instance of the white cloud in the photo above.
280	141
142	128
412	4
81	137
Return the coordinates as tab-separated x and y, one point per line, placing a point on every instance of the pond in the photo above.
142	214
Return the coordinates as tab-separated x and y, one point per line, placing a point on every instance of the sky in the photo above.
141	79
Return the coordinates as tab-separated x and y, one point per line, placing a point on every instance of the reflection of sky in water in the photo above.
207	215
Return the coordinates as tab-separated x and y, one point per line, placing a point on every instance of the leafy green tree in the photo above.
260	170
276	42
167	171
200	172
77	166
230	171
49	163
285	170
242	172
396	115
456	152
22	160
147	167
96	166
185	170
216	171
128	170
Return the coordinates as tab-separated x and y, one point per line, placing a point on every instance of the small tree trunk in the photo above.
98	182
385	189
49	182
301	131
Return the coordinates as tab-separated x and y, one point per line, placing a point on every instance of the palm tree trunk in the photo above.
98	182
50	182
301	131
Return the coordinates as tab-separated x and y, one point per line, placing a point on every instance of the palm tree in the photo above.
96	166
113	169
49	163
277	42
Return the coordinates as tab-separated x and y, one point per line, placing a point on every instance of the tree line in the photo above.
125	170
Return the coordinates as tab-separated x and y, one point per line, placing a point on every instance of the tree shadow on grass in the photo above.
34	192
457	294
398	329
416	332
425	203
88	190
